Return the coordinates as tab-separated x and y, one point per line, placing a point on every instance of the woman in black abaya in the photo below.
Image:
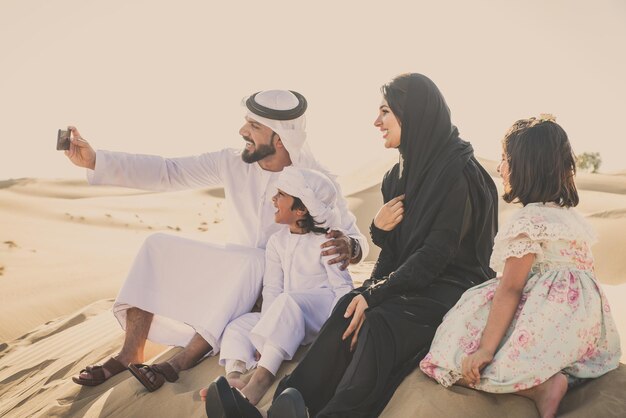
435	231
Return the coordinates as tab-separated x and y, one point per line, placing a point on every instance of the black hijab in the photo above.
432	158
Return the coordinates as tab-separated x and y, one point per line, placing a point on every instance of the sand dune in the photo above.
35	371
65	248
66	252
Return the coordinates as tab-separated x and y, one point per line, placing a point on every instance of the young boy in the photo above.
300	288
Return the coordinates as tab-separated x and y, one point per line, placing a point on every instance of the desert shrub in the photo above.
589	161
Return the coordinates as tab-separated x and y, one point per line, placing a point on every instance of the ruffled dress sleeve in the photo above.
532	227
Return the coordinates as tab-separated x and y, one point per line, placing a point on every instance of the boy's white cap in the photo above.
317	192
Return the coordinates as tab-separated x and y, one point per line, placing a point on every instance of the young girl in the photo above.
300	288
545	323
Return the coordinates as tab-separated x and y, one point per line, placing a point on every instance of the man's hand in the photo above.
473	364
356	309
338	244
80	152
390	214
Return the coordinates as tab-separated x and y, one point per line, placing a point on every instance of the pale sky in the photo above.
167	77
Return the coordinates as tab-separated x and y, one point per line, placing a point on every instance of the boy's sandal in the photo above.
97	373
160	373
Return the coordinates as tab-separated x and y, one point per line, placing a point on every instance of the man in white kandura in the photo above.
183	292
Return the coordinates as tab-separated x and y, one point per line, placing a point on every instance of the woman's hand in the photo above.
390	214
80	152
356	309
474	363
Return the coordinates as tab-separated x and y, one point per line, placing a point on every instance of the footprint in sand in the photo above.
11	244
1	270
80	218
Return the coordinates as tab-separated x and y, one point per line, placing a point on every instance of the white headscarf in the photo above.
291	132
317	192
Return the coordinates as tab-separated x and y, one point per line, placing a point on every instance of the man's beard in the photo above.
260	152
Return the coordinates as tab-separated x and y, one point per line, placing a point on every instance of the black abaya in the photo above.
396	334
440	249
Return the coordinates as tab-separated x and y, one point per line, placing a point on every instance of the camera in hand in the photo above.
63	140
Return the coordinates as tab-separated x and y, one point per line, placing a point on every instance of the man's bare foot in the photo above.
238	380
259	384
548	395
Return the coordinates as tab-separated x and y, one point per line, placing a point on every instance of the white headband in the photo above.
292	132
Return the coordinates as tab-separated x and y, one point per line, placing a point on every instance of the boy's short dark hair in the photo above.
541	162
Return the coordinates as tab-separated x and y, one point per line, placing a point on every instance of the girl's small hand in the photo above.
356	309
473	364
390	214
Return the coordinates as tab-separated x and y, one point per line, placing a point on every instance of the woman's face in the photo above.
388	125
503	170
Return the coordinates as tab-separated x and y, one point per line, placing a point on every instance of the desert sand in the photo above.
65	248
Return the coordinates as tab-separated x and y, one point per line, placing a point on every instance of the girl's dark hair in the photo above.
308	223
395	92
541	162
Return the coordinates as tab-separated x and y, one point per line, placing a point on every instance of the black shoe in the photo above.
289	404
219	400
222	401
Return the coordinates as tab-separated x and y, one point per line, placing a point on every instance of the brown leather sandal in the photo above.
97	373
161	371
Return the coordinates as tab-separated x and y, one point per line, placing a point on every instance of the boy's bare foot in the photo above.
259	384
203	393
238	380
235	379
548	395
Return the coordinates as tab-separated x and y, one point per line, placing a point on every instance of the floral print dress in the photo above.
563	321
